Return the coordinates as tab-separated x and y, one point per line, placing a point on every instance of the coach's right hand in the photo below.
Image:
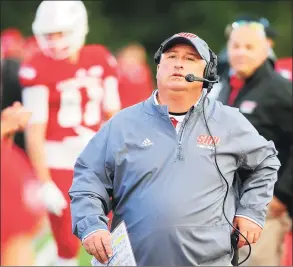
98	244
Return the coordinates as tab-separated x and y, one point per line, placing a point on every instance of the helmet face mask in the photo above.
60	28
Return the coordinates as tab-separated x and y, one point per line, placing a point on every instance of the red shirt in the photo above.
284	67
236	84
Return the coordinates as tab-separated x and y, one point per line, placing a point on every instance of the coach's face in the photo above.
175	64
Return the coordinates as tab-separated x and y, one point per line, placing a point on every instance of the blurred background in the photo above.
116	23
144	25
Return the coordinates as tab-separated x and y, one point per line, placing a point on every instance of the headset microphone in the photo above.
191	78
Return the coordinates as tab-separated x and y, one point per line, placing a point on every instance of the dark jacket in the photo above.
284	188
11	90
266	101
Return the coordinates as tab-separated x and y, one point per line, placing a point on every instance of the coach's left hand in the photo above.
249	229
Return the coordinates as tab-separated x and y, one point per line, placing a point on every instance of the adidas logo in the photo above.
146	142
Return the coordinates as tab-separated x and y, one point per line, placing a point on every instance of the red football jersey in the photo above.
71	98
20	213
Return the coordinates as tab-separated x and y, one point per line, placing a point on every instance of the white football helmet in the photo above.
66	17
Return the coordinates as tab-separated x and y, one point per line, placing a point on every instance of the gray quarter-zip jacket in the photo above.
166	186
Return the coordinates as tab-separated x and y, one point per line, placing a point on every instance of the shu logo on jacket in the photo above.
206	141
146	142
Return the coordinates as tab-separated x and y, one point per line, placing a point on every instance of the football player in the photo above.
71	89
12	42
21	215
135	77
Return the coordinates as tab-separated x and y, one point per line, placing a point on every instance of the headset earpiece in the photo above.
210	72
157	56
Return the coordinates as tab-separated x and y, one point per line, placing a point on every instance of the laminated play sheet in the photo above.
122	250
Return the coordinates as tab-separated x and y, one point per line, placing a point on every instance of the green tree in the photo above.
115	23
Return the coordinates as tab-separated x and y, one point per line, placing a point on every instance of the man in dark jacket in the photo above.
271	34
265	98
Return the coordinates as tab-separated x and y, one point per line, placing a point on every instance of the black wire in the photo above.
227	189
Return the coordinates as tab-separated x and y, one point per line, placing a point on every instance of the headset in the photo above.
210	77
210	73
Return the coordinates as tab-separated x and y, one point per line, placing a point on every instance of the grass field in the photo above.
46	251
